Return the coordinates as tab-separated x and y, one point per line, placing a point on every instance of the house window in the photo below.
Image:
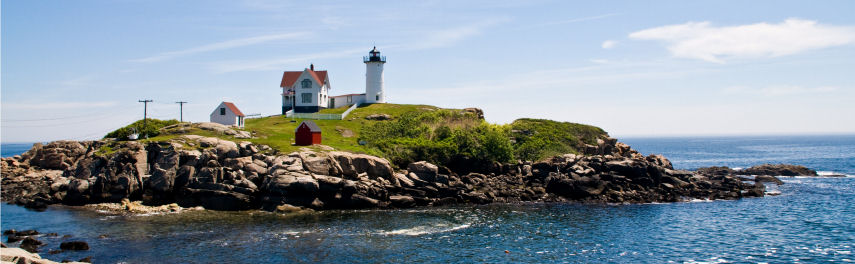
307	98
307	83
222	111
377	97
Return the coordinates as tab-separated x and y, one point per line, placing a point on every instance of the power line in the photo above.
145	110
181	110
91	114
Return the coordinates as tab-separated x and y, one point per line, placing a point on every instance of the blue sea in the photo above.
810	222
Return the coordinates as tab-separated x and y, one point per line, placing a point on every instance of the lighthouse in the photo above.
374	77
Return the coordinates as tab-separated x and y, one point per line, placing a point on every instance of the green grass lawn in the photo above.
334	110
278	131
531	139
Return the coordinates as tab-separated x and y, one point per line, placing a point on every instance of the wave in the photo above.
832	174
425	230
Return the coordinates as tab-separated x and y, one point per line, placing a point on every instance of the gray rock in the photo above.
320	165
352	165
423	169
767	178
378	117
402	201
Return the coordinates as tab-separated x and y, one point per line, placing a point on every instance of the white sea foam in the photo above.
423	230
832	174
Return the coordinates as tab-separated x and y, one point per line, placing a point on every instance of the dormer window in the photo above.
307	83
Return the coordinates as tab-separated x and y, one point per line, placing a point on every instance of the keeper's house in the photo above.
306	91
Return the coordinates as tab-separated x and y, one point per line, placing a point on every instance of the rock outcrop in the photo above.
778	170
18	255
760	173
223	175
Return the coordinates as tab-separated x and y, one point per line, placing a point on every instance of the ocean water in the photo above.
12	149
821	153
810	222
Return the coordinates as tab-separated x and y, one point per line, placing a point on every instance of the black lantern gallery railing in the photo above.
374	58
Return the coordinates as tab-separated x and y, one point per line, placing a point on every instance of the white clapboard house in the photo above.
307	91
227	114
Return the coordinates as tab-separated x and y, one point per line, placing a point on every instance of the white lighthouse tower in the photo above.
374	77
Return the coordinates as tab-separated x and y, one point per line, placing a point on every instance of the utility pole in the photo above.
145	111
181	109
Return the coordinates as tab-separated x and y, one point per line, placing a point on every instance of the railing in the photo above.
319	116
343	115
374	58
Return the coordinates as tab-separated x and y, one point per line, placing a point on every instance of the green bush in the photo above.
450	136
539	138
152	128
438	137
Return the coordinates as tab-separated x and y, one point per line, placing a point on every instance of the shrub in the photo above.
539	138
152	128
459	139
438	137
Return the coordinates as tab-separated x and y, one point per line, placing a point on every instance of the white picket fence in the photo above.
319	116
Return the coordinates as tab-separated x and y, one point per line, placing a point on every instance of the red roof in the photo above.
290	77
234	108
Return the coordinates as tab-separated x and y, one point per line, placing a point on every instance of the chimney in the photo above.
312	67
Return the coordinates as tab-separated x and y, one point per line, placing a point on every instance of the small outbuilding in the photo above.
307	133
227	114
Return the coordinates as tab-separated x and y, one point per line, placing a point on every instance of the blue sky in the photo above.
76	69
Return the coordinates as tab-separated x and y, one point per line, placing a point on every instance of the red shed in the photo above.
307	133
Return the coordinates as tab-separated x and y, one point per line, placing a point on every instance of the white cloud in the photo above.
779	90
702	40
608	44
229	44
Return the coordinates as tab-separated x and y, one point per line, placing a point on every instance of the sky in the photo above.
77	69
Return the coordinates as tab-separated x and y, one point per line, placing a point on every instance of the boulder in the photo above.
660	161
767	178
227	149
319	164
715	171
57	155
402	201
291	185
352	165
31	244
18	255
426	171
189	157
78	192
475	111
378	117
74	245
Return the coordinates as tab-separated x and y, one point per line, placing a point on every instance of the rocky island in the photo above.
223	175
219	168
